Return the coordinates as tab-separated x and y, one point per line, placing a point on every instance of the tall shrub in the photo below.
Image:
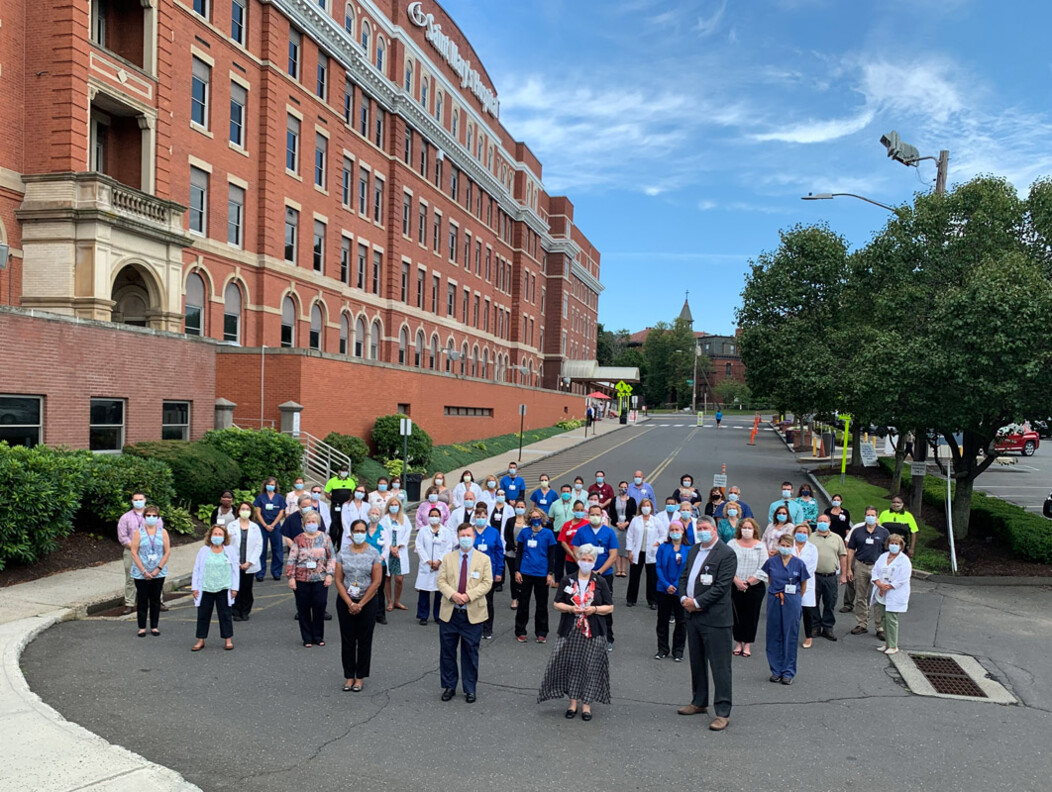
200	472
259	453
389	443
109	485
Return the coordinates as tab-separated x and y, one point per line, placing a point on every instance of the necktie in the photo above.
244	546
462	586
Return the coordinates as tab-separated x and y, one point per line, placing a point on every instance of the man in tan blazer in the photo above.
464	579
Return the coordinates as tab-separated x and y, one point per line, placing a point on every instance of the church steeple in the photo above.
685	313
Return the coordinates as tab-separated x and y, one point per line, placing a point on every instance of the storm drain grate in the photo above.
947	676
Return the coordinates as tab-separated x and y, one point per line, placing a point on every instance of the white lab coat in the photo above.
461	488
809	555
432	547
255	543
458	516
398	536
898	574
353	510
645	532
377	498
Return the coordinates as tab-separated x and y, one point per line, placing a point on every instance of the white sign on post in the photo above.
405	427
719	480
869	455
918	468
295	424
522	409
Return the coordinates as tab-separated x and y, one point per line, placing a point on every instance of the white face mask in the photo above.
595	519
747	533
311	527
646	510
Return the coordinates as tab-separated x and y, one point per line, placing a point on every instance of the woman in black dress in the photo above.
579	666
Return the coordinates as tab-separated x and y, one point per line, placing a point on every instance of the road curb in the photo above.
85	759
83	610
781	437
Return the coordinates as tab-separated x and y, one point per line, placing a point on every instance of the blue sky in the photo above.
685	132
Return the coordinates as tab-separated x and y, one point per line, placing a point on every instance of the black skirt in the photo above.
579	668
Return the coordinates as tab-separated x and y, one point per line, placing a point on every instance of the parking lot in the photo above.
1025	481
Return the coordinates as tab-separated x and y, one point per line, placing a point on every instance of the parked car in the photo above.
1047	509
1017	438
1043	427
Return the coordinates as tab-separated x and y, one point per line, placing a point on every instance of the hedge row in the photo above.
200	472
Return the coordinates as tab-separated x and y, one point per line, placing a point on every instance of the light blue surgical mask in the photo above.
358	495
500	499
138	504
306	509
685	516
894	548
781	517
598	479
480	522
298	485
578	515
733	496
270	487
467	542
381	488
358	538
564	495
704	537
151	519
468	506
785	550
519	512
670	507
800	537
637	480
871	519
675	536
432	498
217	540
393	508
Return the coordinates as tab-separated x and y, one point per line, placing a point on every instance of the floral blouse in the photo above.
311	558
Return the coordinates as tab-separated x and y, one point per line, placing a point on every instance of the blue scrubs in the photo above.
783	613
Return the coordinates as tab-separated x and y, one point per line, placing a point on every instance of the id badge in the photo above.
355	591
706	580
476	575
270	507
311	565
568	589
531	542
482	548
790	588
151	557
679	557
869	540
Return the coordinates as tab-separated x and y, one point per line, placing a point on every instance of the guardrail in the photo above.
320	458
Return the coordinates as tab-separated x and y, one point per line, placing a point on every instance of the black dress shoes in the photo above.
469	698
448	694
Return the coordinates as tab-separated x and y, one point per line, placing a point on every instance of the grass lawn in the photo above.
858	494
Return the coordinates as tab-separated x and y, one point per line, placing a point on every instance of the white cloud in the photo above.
819	131
708	24
705	206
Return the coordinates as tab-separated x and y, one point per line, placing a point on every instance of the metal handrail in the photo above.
321	457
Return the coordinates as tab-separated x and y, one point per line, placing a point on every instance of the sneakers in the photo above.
661	655
520	638
893	650
882	648
542	639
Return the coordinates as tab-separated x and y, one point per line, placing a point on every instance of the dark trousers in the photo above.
244	600
511	566
148	596
825	600
204	614
458	631
849	594
356	638
487	626
310	606
560	565
635	573
746	606
668	605
381	602
809	621
783	632
273	540
609	617
533	586
423	604
710	648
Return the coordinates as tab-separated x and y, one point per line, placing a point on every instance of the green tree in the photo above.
732	393
610	345
668	353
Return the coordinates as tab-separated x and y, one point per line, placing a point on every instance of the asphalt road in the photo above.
1026	481
271	715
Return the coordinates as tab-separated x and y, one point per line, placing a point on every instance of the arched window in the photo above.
365	37
432	359
418	353
449	350
464	359
374	340
728	370
471	137
315	327
403	343
193	313
409	76
485	364
489	158
288	322
345	332
475	362
455	122
439	101
425	87
359	337
381	50
232	313
529	377
348	19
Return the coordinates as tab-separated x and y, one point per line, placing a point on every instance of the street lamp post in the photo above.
831	196
262	368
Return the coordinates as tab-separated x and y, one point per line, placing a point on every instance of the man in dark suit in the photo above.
705	586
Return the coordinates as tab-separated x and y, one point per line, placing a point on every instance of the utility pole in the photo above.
694	382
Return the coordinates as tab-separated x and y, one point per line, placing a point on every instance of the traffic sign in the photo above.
405	427
522	409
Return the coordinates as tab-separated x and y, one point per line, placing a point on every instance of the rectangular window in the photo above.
292	144
378	136
198	201
453	242
421	276
292	223
201	7
467	251
238	17
464	305
469	412
363	117
199	84
235	216
98	24
378	200
363	190
489	256
407	215
454	183
175	420
345	182
323	76
348	101
475	312
345	260
363	259
437	231
436	282
106	425
485	316
423	157
422	225
405	281
407	151
321	156
478	257
295	47
319	246
451	300
20	420
238	102
378	263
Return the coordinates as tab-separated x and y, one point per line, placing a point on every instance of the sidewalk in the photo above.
82	759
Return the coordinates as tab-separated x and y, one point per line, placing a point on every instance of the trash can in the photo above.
623	418
789	435
412	486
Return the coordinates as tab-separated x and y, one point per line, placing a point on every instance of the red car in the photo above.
1021	439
